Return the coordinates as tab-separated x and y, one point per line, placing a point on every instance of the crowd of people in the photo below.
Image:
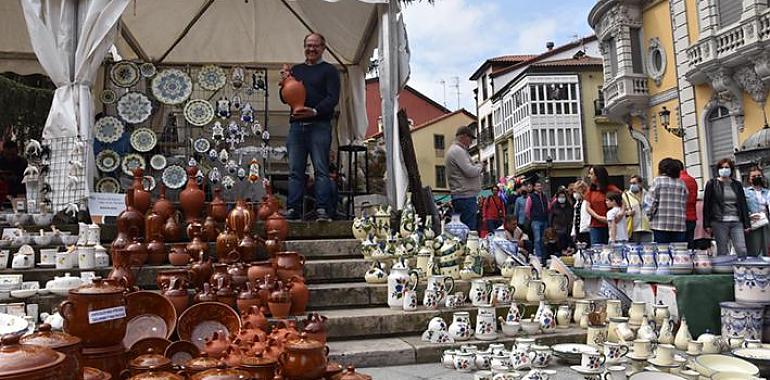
595	211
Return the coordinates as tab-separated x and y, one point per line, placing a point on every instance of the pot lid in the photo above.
304	344
52	339
149	360
257	361
16	358
94	374
351	374
99	286
222	374
202	362
156	375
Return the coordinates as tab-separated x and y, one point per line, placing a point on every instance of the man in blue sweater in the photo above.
310	132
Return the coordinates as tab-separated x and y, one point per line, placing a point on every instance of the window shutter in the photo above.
720	138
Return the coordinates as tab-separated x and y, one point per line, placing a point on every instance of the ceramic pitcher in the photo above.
501	294
442	285
666	334
661	313
578	289
460	328
556	286
581	307
514	313
486	325
563	316
400	279
535	291
520	280
480	292
547	318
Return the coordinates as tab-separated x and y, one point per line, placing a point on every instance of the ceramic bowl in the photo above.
572	353
149	315
69	239
11	324
510	328
710	364
42	219
181	351
732	376
41	240
760	357
23	293
529	326
201	320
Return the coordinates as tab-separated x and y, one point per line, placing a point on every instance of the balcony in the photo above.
625	93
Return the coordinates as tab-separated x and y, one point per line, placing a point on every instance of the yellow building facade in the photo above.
688	77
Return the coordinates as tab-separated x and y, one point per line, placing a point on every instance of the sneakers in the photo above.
322	216
292	214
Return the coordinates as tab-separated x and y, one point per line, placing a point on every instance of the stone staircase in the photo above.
362	329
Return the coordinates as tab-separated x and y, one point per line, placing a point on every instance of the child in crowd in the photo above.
617	227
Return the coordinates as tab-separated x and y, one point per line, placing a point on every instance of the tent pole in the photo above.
388	101
187	28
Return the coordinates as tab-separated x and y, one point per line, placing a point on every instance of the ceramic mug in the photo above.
496	348
642	348
614	309
430	299
736	341
694	347
410	299
592	360
541	356
63	260
664	354
464	361
597	335
615	373
524	344
86	258
614	352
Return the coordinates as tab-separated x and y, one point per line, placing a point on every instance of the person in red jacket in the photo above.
691	216
493	210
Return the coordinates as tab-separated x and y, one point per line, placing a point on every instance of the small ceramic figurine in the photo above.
223	108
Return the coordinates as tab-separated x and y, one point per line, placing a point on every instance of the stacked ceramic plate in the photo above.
708	365
572	352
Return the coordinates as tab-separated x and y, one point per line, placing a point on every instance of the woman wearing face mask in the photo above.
638	224
581	219
560	218
757	199
725	212
596	197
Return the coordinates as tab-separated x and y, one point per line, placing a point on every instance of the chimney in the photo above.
549	45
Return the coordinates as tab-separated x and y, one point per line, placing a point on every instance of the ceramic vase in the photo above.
741	319
457	228
460	328
192	198
683	336
486	325
752	281
293	93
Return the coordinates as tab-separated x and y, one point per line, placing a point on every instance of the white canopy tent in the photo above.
268	32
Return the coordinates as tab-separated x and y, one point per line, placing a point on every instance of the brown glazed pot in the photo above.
196	244
177	294
256	318
137	251
247	248
205	295
210	230
178	256
61	342
239	220
226	295
273	245
222	374
227	246
90	373
142	197
153	224
148	362
260	368
220	271
192	198
101	294
202	363
29	362
201	271
218	207
293	93
288	264
258	270
130	221
300	295
172	231
304	359
156	252
238	274
279	302
111	359
277	222
247	298
163	206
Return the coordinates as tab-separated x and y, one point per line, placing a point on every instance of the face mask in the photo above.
577	196
562	199
724	172
635	188
756	181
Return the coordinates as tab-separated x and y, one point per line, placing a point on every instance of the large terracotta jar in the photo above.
227	246
201	271
218	207
138	252
300	295
304	359
196	244
210	230
78	312
288	264
259	270
163	206
277	222
156	249
279	302
62	342
239	218
172	231
130	221
27	361
293	93
247	248
142	197
192	198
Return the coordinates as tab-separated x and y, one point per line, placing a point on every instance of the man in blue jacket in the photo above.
310	132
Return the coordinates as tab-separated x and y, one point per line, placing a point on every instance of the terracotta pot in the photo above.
196	246
153	224
163	206
288	264
279	302
239	219
216	345
273	245
98	295
247	298
238	274
247	248
137	251
61	342
205	295
121	241
222	374
304	359
172	231
265	288
226	295
293	93
122	273
260	368
147	362
90	373
220	271
300	295
227	246
111	359
258	271
210	229
130	221
277	222
142	197
164	278
156	252
177	294
25	361
315	327
201	271
256	318
192	198
351	374
218	207
178	256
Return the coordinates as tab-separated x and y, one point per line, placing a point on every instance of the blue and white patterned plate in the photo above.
174	177
171	86
125	74
199	112
131	162
212	78
134	107
108	129
107	185
107	160
143	139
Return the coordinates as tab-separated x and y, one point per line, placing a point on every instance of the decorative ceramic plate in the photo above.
148	182
198	112
202	320
148	70
201	145
134	107
171	86
107	160
149	315
108	96
131	162
107	185
158	162
174	177
108	129
212	78
143	139
125	74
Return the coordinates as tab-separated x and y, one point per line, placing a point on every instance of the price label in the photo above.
106	204
104	315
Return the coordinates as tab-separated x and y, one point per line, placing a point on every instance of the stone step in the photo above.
412	350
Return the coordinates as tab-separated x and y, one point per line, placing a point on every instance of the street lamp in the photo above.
665	121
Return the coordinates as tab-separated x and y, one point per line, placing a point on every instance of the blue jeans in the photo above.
666	237
312	139
538	228
467	207
599	235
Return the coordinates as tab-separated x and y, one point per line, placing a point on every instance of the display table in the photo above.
697	296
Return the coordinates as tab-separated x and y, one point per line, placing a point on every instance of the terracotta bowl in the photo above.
181	351
149	315
201	320
142	346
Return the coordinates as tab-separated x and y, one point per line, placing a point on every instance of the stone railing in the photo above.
729	43
622	86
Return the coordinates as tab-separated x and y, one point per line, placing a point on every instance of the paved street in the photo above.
437	372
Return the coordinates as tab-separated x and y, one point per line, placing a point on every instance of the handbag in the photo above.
760	222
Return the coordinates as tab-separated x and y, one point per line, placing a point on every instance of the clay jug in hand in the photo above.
218	207
142	197
293	93
300	295
163	206
192	198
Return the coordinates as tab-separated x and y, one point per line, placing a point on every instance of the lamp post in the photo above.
665	121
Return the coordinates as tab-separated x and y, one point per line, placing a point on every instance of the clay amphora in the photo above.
300	295
239	218
218	207
130	221
289	263
201	270
210	230
178	256
277	222
258	271
293	93
163	206
227	246
172	231
142	197
192	198
196	244
315	327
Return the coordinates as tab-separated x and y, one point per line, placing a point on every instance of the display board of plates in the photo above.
131	162
199	112
212	78
174	177
108	96
108	185
143	139
125	74
158	162
171	86
134	107
108	129
148	70
201	145
107	160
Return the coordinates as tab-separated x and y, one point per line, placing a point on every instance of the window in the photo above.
610	146
438	142
484	92
491	131
656	60
599	103
729	12
505	162
440	177
636	51
720	135
613	51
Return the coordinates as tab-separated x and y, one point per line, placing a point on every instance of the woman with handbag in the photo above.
757	199
725	212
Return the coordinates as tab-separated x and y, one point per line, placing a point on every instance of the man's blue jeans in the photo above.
312	139
538	229
665	237
467	208
599	235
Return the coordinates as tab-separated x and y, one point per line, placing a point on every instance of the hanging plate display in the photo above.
148	182
148	70
158	162
131	162
107	185
212	78
134	107
143	139
174	177
171	86
107	160
198	112
202	145
125	74
108	129
108	96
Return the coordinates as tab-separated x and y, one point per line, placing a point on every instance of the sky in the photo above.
452	38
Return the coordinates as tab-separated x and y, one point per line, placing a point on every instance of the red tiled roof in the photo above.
512	58
501	62
433	121
546	54
584	61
